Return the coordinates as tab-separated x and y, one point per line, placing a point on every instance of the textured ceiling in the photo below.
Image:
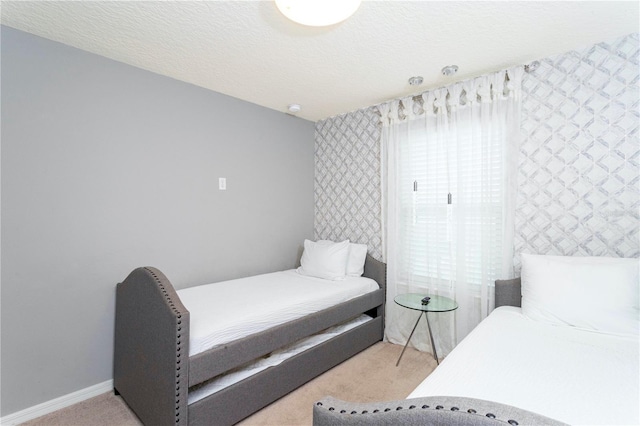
248	50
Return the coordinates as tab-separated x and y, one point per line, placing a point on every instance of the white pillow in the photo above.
325	259
357	256
593	293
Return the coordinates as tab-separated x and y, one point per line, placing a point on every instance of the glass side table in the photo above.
436	304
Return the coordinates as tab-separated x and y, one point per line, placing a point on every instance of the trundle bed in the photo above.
164	381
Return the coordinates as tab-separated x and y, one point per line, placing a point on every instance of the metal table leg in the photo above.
411	335
433	344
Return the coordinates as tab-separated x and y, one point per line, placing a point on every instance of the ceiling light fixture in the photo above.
416	81
449	70
318	13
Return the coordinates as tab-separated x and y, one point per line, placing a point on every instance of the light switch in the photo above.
222	184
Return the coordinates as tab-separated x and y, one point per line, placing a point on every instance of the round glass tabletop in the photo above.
436	303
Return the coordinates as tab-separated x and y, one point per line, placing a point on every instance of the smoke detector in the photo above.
294	108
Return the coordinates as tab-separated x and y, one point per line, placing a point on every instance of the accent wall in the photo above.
107	167
579	162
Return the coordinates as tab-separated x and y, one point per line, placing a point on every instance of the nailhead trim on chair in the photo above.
179	392
437	407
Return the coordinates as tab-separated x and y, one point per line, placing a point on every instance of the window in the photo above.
460	140
437	238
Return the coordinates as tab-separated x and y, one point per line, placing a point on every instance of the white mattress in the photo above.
229	310
578	377
198	392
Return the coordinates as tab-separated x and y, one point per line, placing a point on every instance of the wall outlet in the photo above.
222	184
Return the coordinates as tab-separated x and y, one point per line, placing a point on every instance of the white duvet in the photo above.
575	376
229	310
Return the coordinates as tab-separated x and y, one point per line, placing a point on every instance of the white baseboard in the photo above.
56	404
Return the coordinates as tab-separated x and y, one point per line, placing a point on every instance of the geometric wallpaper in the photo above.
579	164
579	160
347	179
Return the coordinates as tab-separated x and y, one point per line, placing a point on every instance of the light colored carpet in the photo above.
371	375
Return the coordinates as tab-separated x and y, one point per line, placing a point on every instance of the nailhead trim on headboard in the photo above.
179	392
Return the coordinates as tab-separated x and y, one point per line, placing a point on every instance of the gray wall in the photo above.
106	167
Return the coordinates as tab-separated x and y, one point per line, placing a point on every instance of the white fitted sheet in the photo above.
198	392
229	310
575	376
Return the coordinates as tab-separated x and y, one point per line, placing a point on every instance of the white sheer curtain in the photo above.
449	188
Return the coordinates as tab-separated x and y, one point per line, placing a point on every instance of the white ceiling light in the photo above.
318	13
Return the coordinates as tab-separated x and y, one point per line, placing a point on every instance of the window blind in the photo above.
439	240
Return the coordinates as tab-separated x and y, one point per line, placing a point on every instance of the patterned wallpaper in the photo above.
579	165
347	179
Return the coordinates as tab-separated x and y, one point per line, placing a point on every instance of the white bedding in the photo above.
229	310
575	376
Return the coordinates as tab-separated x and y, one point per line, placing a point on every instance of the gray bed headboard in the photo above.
152	360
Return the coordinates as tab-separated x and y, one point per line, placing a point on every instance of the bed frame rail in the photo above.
377	271
151	354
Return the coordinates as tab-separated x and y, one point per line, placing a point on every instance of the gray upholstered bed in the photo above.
153	370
